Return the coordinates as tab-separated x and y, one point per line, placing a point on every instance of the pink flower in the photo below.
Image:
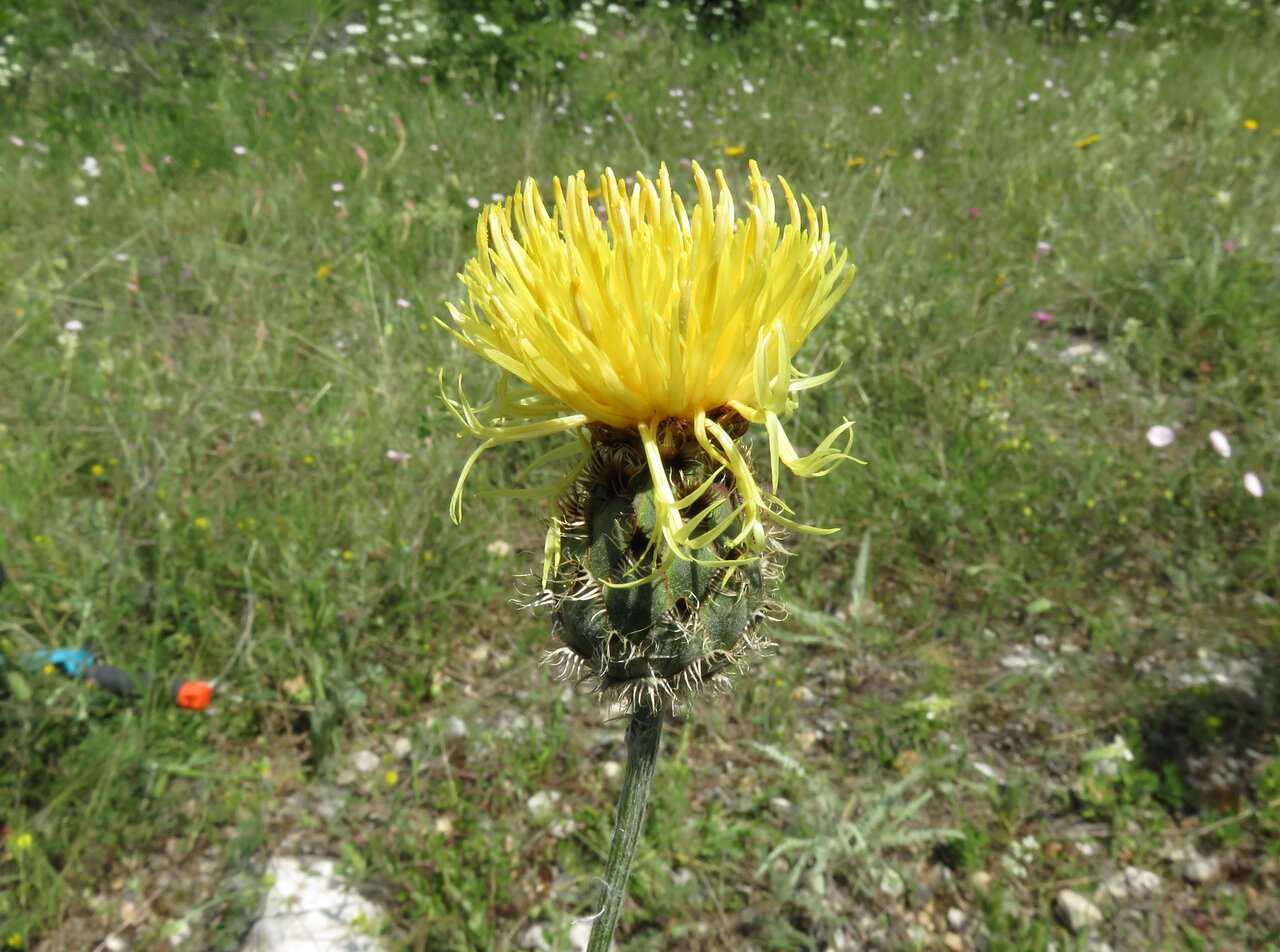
397	457
973	213
1228	246
1218	440
1043	247
1253	485
1044	317
1160	436
402	302
584	55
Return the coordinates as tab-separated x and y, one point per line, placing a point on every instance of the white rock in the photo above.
1201	869
400	747
579	933
1133	883
455	727
543	803
1075	911
309	909
365	761
535	938
956	919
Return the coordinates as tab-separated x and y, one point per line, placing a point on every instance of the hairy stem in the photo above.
643	736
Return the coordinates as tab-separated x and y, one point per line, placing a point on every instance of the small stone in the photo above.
1132	882
1075	911
365	761
956	919
611	769
535	938
400	747
953	942
455	727
1201	870
543	803
115	943
982	880
580	934
890	883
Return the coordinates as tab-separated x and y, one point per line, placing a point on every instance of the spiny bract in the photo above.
644	635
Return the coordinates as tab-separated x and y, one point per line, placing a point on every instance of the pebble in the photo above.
542	804
400	747
365	761
309	907
956	919
1201	869
1133	883
1075	911
953	942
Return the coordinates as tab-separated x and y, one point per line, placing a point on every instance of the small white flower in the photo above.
239	150
1159	436
748	87
337	187
875	110
1220	443
73	326
257	418
1043	247
356	29
473	202
917	154
90	167
397	457
81	200
1253	485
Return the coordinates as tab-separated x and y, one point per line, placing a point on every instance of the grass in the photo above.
197	482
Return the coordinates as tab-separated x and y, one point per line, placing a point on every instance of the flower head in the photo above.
659	324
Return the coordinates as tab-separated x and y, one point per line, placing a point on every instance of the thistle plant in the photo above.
651	337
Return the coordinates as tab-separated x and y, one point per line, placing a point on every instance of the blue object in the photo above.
73	661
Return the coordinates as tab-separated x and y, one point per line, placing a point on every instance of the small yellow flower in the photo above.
324	270
347	555
162	493
21	842
856	162
611	96
308	460
662	317
1090	503
49	670
1087	141
201	523
1250	125
733	151
391	778
97	469
1026	510
15	940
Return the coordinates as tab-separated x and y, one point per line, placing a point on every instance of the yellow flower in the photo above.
21	842
201	523
324	270
1087	141
1250	125
855	162
391	778
15	940
665	318
97	469
733	151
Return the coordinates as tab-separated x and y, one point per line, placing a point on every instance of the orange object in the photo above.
194	695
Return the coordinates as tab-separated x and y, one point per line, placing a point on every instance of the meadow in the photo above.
1042	649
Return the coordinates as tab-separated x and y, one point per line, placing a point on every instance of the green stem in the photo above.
643	736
